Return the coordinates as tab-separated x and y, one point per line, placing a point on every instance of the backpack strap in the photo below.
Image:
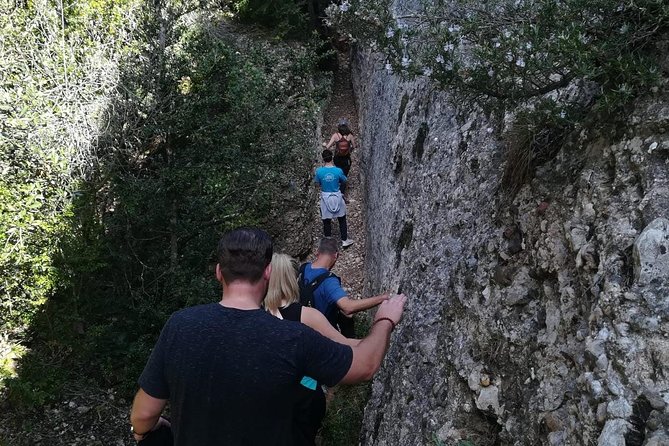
320	279
316	282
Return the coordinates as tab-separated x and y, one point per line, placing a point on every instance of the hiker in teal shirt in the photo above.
329	178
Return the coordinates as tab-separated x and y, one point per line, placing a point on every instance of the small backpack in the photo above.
343	146
344	324
307	289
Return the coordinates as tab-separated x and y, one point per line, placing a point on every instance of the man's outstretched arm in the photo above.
350	306
368	355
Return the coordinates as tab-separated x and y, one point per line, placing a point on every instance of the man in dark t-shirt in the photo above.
230	370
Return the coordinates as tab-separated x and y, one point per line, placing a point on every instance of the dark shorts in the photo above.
308	416
343	162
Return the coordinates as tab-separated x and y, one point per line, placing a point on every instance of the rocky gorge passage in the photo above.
350	266
539	319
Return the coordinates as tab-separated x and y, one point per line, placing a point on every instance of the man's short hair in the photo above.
244	253
328	245
327	155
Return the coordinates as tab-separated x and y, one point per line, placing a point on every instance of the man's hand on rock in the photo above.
392	308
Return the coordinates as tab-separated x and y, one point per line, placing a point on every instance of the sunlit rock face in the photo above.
535	319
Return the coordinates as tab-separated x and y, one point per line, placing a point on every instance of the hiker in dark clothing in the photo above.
283	301
343	141
231	371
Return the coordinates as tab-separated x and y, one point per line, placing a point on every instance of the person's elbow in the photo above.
141	413
362	368
348	312
346	306
146	407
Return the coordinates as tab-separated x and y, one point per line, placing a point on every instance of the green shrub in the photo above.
284	17
108	221
512	50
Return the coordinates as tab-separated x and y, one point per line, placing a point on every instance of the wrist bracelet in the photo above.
385	319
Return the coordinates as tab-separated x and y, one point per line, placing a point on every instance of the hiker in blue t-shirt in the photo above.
330	298
329	177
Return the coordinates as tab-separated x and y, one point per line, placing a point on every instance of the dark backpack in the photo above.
307	289
343	146
345	325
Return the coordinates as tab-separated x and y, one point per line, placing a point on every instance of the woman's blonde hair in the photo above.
282	283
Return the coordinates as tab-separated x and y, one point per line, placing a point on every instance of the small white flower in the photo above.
345	5
389	68
491	73
563	114
406	61
520	62
509	57
453	29
507	33
448	47
390	33
439	58
427	71
489	130
497	44
528	46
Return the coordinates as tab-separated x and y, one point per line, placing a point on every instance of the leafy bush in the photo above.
137	135
52	79
512	50
285	17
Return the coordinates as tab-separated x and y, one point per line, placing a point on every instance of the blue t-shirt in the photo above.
329	178
328	292
232	375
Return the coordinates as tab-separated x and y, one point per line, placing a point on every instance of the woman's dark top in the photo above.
292	312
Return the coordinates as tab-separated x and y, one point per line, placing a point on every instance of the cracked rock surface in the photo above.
537	319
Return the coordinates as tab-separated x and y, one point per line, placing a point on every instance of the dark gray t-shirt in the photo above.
231	375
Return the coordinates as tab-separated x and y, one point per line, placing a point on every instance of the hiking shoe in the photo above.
346	243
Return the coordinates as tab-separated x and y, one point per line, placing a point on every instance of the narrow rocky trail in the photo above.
350	266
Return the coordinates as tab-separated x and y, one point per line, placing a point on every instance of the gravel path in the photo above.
350	266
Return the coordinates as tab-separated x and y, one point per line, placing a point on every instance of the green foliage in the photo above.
285	17
512	50
135	134
50	81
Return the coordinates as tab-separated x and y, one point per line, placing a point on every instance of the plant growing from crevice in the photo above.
534	138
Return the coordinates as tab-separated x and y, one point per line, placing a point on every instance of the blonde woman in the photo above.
283	301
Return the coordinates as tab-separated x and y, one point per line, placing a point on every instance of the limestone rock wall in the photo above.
542	320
